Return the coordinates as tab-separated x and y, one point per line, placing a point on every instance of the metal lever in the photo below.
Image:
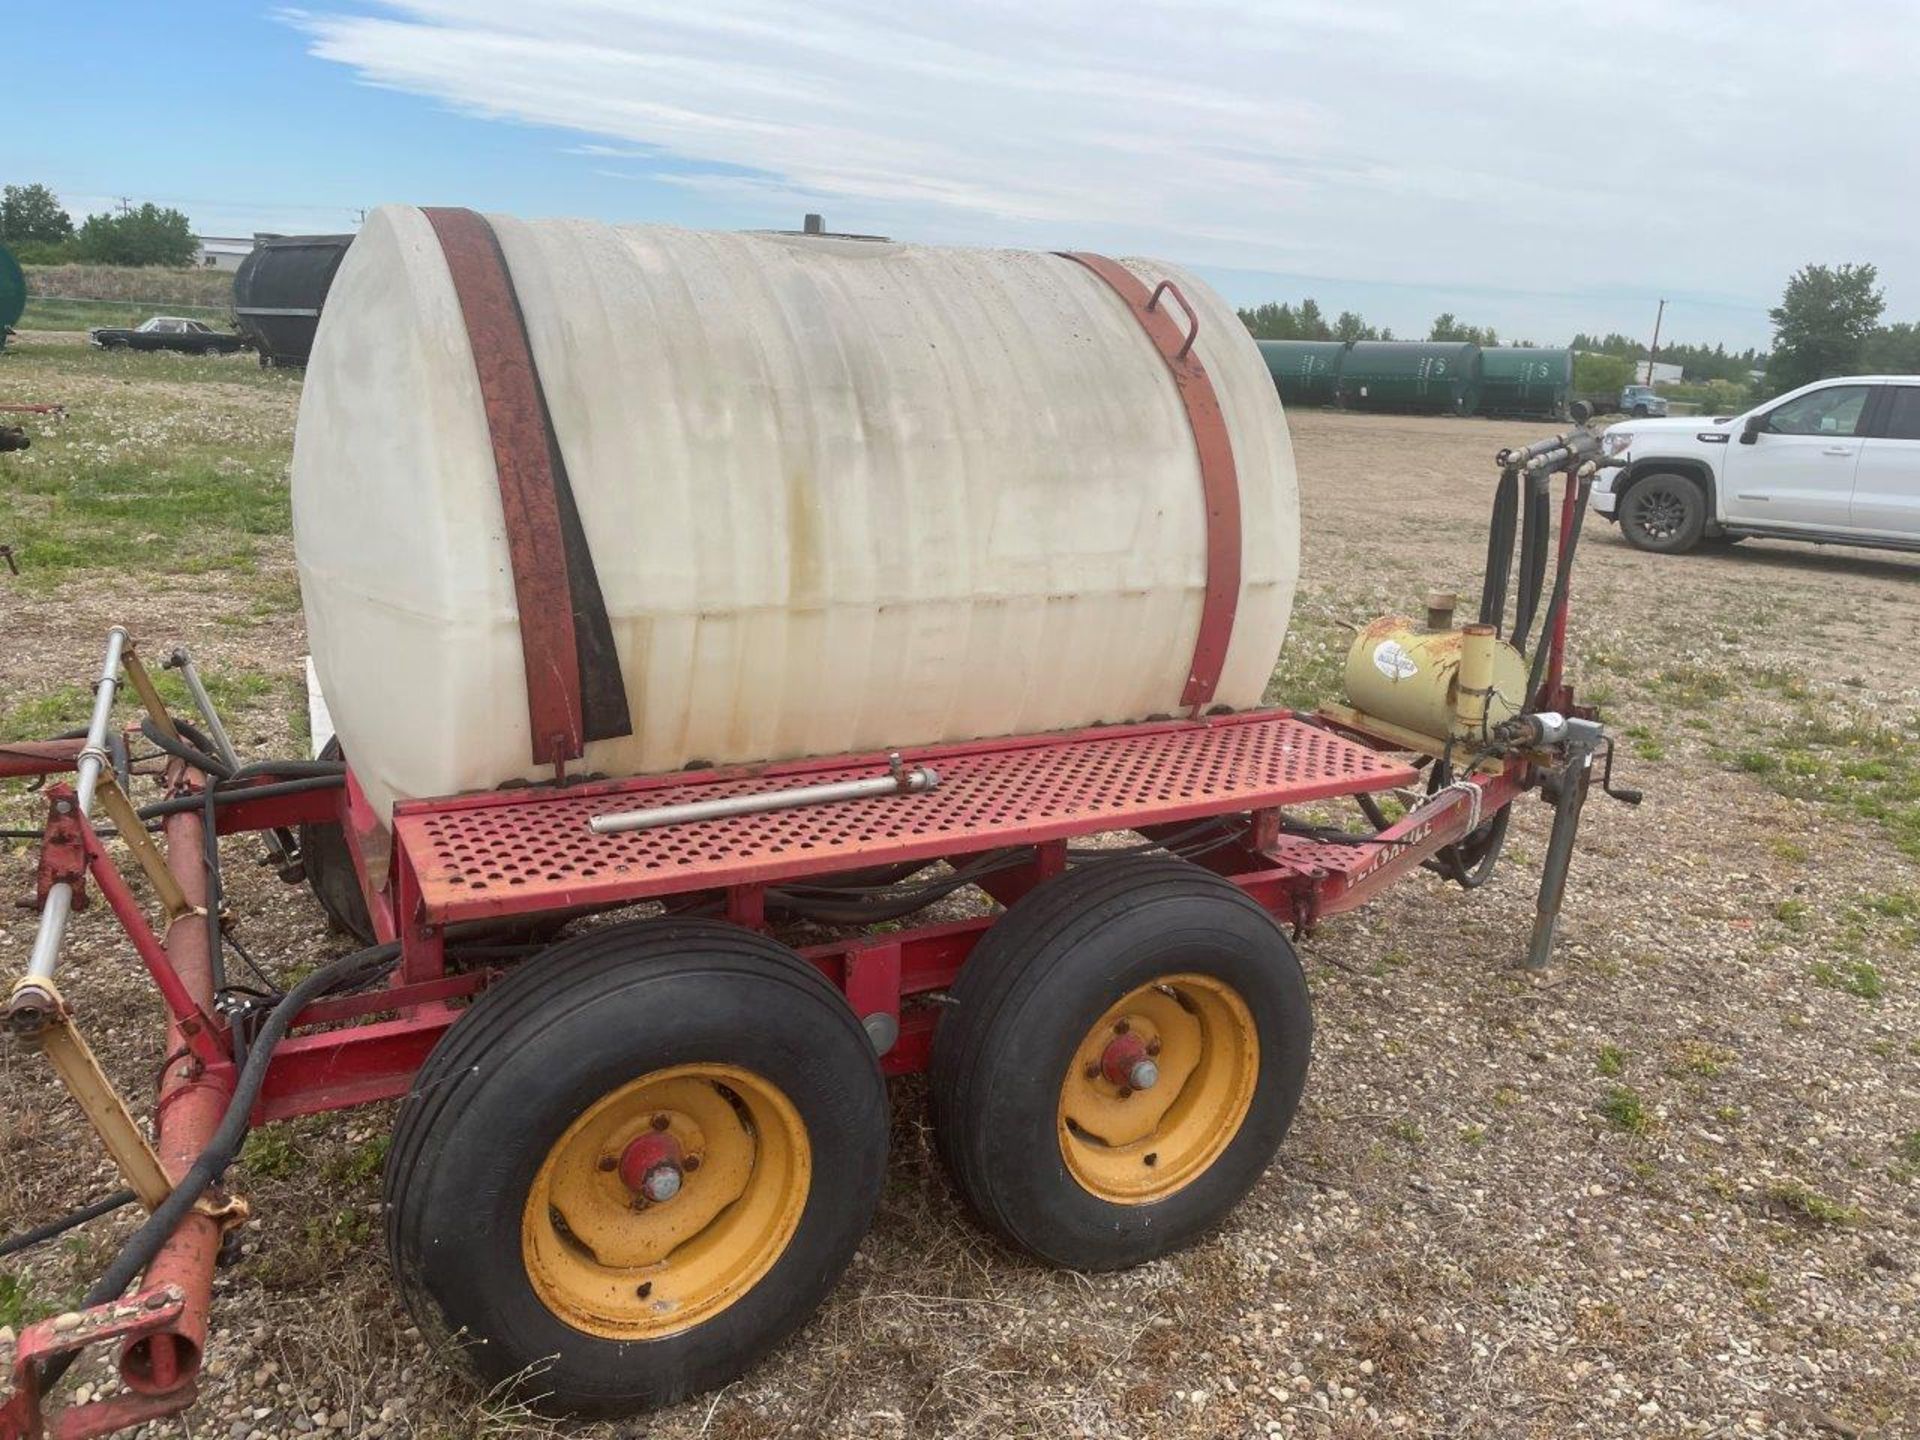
898	780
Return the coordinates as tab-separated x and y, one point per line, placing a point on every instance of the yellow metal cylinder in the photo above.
1438	683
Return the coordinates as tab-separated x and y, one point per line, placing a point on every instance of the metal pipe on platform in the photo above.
898	781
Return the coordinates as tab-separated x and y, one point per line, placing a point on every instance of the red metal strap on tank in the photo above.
1219	481
523	456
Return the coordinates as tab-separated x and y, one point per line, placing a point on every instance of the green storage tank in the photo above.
1525	380
1306	372
13	291
1432	377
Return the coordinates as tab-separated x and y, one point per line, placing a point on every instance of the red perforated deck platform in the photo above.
521	850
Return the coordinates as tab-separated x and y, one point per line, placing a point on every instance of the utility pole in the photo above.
1654	349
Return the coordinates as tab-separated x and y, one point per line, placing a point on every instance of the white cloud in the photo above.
1694	147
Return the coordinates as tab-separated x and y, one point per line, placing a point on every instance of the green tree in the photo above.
32	215
1600	374
146	236
1894	350
1350	327
1446	327
1822	323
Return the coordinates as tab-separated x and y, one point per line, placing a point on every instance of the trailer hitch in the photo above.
1573	743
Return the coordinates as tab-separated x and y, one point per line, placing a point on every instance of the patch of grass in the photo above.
137	479
272	1151
361	1164
1855	977
1793	914
38	717
1802	1202
19	1305
1473	1134
1785	849
1908	1148
1611	1061
1693	687
1756	762
1408	1130
1627	1111
1699	1058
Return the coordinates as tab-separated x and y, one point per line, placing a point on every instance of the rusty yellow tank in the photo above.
1438	682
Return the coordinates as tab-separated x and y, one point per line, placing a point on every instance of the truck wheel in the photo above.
1123	1055
1663	513
635	1165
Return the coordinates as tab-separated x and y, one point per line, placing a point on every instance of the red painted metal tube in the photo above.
193	1098
39	757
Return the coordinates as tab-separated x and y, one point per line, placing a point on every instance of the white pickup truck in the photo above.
1835	462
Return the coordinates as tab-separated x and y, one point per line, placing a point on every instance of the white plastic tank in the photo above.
839	495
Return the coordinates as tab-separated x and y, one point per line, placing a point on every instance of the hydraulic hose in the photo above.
141	1247
1506	515
53	1229
1562	574
1536	521
228	794
184	748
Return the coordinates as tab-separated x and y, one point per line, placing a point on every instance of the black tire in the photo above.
1662	513
1025	1002
1640	412
540	1048
329	870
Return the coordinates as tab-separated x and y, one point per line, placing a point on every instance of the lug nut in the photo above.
1120	1027
661	1122
690	1164
608	1163
1153	1046
1125	1092
1093	1070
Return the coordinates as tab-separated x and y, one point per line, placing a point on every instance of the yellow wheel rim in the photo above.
1134	1146
608	1260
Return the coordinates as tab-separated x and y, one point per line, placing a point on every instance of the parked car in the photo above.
166	332
1836	462
1640	401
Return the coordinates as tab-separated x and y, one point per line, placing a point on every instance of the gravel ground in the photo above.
1669	1189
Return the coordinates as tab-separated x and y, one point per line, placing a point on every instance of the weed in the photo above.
1793	914
272	1152
1627	1111
1805	1203
1611	1061
1473	1134
1407	1130
1786	849
19	1306
1856	977
362	1163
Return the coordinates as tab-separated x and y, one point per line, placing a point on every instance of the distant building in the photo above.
222	252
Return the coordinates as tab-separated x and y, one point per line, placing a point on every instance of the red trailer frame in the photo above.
529	851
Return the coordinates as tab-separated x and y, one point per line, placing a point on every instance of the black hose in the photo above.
212	1162
1506	512
53	1229
1562	574
288	770
1536	522
224	795
183	748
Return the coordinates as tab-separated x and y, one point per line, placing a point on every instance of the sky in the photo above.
1538	166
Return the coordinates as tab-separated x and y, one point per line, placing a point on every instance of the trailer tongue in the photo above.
677	1115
